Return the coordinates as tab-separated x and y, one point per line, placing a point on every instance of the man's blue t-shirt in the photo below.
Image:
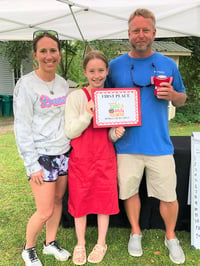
152	137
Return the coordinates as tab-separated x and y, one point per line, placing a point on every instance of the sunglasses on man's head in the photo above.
42	32
141	86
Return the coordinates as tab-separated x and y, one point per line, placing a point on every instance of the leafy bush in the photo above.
189	113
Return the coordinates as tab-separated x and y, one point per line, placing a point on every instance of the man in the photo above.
148	147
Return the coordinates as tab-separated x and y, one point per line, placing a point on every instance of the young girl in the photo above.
92	164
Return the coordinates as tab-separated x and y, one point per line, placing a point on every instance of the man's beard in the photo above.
141	48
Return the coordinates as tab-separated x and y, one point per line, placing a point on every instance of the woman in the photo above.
39	102
92	163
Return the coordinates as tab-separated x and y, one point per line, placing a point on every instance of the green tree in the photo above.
15	52
190	70
190	66
109	47
70	53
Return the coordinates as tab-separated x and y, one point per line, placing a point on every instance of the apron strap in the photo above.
87	93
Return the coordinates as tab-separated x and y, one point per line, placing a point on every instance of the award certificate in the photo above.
116	107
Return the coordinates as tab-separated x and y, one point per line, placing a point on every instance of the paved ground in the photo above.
6	125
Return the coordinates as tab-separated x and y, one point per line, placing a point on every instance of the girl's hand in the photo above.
90	107
119	131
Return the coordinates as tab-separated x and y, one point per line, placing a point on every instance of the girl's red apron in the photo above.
92	173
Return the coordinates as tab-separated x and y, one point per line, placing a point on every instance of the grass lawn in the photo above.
183	129
17	205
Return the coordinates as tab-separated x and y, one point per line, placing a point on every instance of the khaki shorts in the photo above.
160	176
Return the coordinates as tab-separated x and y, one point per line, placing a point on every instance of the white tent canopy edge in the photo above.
91	20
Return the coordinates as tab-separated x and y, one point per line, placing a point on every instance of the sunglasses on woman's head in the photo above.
42	32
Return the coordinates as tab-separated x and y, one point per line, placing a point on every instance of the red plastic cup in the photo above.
158	80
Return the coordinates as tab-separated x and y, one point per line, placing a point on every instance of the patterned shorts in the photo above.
54	166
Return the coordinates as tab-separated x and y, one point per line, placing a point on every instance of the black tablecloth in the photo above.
150	217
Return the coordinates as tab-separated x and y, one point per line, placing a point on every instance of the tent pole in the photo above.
70	7
70	4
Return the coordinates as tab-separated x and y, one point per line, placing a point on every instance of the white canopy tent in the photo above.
95	19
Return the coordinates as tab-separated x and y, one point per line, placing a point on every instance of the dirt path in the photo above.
6	125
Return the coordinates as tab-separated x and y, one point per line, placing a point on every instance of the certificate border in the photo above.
136	122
